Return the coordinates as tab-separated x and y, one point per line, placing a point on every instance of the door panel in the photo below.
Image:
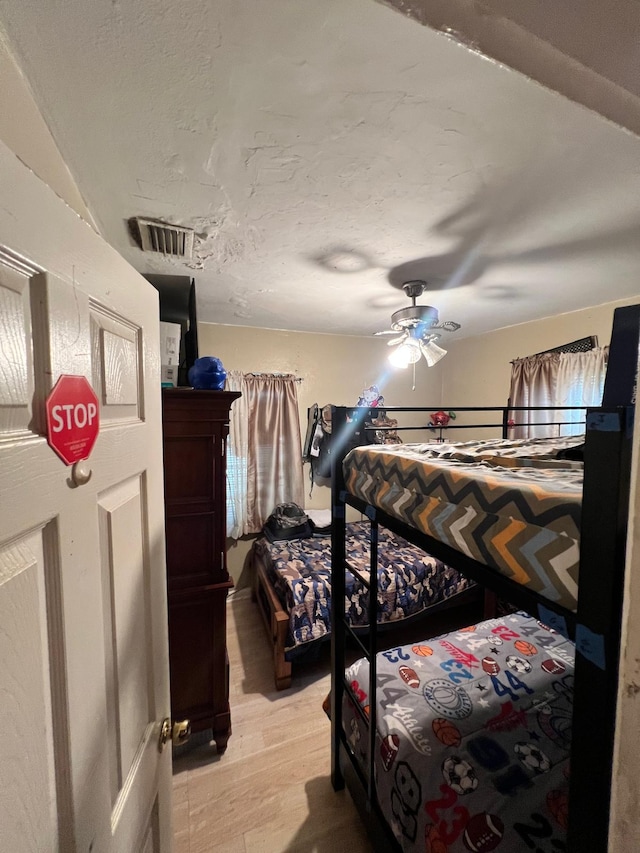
124	562
82	565
16	357
115	345
31	672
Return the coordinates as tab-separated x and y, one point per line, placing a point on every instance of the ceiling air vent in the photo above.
165	238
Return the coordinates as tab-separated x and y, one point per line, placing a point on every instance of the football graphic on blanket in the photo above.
483	833
409	676
490	666
553	666
389	750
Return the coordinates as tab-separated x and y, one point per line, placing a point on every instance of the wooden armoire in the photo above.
195	429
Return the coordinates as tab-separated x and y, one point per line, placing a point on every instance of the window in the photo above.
264	458
556	378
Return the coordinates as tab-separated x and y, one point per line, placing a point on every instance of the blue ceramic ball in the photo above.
207	373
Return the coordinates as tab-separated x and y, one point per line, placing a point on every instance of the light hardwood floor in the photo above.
270	792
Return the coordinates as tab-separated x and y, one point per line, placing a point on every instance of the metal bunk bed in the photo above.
595	626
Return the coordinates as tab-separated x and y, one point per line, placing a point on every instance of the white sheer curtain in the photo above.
264	454
580	382
237	449
556	379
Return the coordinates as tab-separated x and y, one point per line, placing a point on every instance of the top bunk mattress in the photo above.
509	504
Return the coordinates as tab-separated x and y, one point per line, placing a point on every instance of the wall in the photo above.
333	368
477	370
25	132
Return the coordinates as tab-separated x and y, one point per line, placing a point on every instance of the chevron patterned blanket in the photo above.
409	580
510	505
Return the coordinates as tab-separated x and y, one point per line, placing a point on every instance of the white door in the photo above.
83	638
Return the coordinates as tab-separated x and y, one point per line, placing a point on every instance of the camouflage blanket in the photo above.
472	737
300	572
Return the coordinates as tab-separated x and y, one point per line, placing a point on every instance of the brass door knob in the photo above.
178	732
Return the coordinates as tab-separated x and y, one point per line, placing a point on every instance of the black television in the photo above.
178	305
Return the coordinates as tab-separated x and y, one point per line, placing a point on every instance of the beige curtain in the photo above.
533	383
264	455
556	379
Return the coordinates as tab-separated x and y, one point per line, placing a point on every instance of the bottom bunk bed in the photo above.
554	546
292	587
471	737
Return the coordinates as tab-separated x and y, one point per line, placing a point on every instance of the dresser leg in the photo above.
221	739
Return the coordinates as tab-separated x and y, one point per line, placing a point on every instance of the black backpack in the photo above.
287	521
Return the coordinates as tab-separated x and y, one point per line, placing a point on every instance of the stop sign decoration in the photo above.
73	418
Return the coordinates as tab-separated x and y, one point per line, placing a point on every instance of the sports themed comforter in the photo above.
300	572
473	735
511	505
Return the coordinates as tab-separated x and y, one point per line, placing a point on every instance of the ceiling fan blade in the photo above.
397	340
448	326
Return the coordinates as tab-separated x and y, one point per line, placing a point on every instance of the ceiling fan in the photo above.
420	328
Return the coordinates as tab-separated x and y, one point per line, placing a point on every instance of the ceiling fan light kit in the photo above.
407	353
420	328
432	352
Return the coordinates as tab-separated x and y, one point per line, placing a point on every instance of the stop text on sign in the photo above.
67	416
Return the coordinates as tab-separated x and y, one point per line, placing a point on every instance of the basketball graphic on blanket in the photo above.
447	699
525	648
553	666
432	841
556	724
490	666
409	676
483	833
422	651
558	803
446	732
468	630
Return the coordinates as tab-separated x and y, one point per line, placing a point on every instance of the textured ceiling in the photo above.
325	153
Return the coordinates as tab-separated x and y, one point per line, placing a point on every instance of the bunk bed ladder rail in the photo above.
338	588
368	651
340	628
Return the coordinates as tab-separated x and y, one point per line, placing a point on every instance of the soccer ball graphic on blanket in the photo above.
518	664
459	775
532	757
